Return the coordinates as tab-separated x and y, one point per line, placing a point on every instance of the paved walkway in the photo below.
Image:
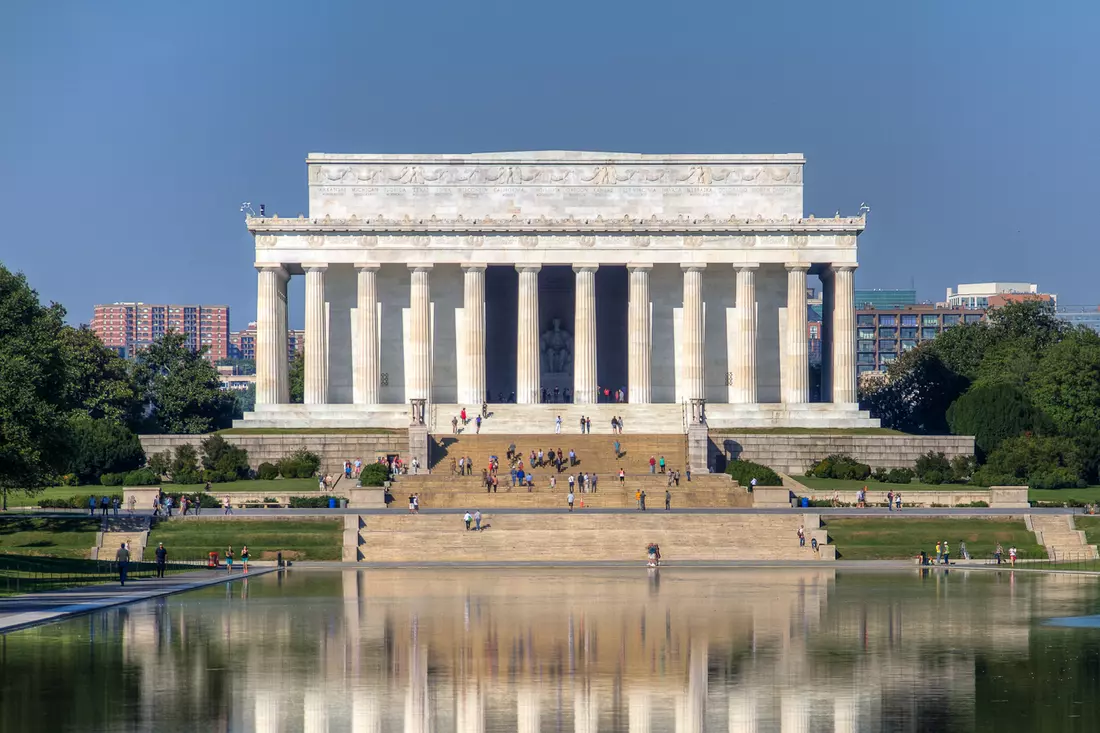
32	609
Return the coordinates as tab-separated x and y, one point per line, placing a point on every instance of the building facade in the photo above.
884	335
517	277
242	344
880	299
127	327
977	295
1081	315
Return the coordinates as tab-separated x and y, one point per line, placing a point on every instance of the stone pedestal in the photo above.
418	446
698	446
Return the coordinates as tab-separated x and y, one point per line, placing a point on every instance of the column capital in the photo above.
793	266
843	268
585	268
420	266
693	266
314	267
528	268
746	266
367	265
278	269
639	265
474	266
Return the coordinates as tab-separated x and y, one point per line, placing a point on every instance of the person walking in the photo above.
618	450
801	535
454	426
582	424
92	501
227	506
462	415
468	518
122	559
569	498
162	558
622	477
114	505
131	503
668	500
477	520
229	559
638	499
588	424
244	558
946	553
997	552
557	425
477	425
643	501
652	464
661	463
1012	555
104	504
168	506
687	472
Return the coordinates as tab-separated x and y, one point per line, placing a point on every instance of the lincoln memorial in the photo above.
442	281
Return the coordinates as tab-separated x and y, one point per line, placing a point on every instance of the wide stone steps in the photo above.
111	541
655	501
511	419
1061	539
587	537
594	452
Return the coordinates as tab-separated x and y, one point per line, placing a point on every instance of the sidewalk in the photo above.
19	612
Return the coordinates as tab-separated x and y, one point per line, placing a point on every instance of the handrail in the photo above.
29	574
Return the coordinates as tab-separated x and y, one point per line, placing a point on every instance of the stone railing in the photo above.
1001	497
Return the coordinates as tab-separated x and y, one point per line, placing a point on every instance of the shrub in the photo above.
299	464
975	505
76	502
213	476
309	502
187	477
880	474
160	463
141	477
112	479
101	446
70	479
1055	478
743	472
842	467
374	474
934	468
962	469
899	475
228	459
1026	458
184	461
993	413
267	471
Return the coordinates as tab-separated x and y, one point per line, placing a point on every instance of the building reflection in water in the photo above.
589	651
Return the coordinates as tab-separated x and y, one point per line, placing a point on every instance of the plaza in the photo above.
450	280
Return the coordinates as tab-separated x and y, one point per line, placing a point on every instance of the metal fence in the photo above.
29	574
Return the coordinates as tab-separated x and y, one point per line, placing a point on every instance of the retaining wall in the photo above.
794	454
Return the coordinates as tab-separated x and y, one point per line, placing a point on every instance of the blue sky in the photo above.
132	131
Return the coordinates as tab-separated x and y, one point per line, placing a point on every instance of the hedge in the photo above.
743	472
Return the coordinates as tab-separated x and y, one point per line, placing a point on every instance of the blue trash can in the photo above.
805	502
332	503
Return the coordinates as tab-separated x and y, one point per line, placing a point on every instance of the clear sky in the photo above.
131	132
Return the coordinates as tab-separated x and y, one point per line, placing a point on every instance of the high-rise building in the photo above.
877	298
242	344
882	335
127	327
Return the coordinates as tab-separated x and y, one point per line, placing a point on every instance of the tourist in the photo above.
1012	556
92	501
582	424
477	425
620	424
162	558
156	506
569	498
652	464
416	503
594	480
347	469
183	505
412	504
588	425
565	393
415	465
557	390
468	519
321	483
997	552
484	412
668	500
687	472
462	415
618	449
477	520
836	499
358	467
572	458
801	536
638	499
114	505
122	558
890	500
643	501
614	425
167	506
963	552
553	482
131	503
946	553
557	422
454	426
669	481
229	559
651	553
520	475
572	483
244	558
752	484
511	452
104	504
677	479
622	477
584	482
198	504
897	501
539	464
228	505
496	483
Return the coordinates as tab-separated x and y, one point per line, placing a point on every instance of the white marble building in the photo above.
500	276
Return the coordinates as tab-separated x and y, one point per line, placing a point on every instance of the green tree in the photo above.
962	348
181	389
32	388
992	413
99	446
219	455
1066	384
99	382
916	393
1028	458
298	377
1033	322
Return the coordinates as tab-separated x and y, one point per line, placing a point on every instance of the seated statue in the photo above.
556	346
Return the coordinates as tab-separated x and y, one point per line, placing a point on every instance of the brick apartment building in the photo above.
242	344
127	327
882	335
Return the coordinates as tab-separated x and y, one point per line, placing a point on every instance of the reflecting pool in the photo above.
581	650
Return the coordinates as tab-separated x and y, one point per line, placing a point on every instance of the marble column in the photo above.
844	334
796	385
528	709
638	712
368	372
584	336
281	340
316	376
692	332
639	380
472	391
268	361
744	325
528	372
418	381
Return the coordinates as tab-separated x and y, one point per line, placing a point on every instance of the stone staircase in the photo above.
595	453
581	537
511	419
131	531
1057	533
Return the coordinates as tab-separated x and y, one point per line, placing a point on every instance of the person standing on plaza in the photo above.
652	464
1012	555
229	559
643	501
890	500
104	504
588	425
168	506
162	558
687	472
467	518
416	503
477	425
801	535
553	482
572	483
595	479
454	426
477	520
462	415
358	467
622	477
668	500
582	424
131	503
638	499
122	559
897	501
557	425
244	558
227	506
91	505
998	552
569	498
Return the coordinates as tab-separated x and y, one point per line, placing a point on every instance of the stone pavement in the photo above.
18	612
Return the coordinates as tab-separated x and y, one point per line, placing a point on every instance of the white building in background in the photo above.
977	295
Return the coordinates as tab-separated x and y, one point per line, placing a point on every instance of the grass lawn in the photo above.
894	539
57	537
1086	495
308	431
828	485
1091	526
809	431
297	539
268	486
